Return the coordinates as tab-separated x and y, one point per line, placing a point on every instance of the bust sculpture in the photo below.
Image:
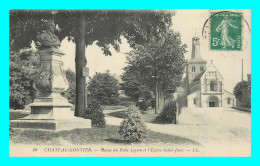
48	38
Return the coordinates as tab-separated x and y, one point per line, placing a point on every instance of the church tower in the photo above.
196	66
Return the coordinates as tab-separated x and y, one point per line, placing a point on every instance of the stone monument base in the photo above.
57	125
51	113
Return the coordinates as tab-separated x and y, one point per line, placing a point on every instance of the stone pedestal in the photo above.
50	110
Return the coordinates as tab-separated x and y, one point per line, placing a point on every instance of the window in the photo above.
195	101
193	68
220	86
201	68
213	86
228	100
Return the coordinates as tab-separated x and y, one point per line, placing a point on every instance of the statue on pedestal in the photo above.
48	38
50	110
51	78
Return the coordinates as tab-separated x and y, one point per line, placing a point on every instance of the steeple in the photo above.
195	47
196	65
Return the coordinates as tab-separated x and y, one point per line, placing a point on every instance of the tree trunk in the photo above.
80	62
156	99
159	100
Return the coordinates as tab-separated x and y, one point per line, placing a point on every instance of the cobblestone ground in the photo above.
221	131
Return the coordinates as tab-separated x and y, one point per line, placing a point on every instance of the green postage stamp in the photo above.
226	31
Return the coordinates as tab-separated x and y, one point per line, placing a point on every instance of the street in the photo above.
221	131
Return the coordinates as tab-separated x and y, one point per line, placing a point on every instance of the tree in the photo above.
70	93
133	87
159	64
104	88
84	27
238	89
23	69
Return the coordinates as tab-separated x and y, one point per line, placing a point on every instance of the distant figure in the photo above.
226	41
48	38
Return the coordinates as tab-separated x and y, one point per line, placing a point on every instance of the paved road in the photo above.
224	131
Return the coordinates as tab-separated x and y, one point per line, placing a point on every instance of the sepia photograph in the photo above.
130	83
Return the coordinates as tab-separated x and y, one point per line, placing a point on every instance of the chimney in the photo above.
195	47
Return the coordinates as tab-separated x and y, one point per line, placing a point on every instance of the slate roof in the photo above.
228	92
197	78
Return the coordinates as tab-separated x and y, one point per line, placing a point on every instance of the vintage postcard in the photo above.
135	83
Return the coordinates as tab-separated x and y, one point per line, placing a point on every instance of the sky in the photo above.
188	23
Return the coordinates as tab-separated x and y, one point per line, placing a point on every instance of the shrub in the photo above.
126	101
104	88
10	130
24	66
95	113
133	127
144	105
113	101
169	111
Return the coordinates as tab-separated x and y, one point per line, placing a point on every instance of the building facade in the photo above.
203	85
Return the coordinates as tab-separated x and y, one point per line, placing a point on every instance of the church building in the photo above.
203	85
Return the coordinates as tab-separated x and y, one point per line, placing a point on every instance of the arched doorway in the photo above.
213	101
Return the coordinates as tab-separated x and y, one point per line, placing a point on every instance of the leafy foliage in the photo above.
133	87
24	66
104	26
169	112
180	101
11	131
159	63
95	113
133	127
25	25
126	101
144	105
238	89
70	93
104	88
